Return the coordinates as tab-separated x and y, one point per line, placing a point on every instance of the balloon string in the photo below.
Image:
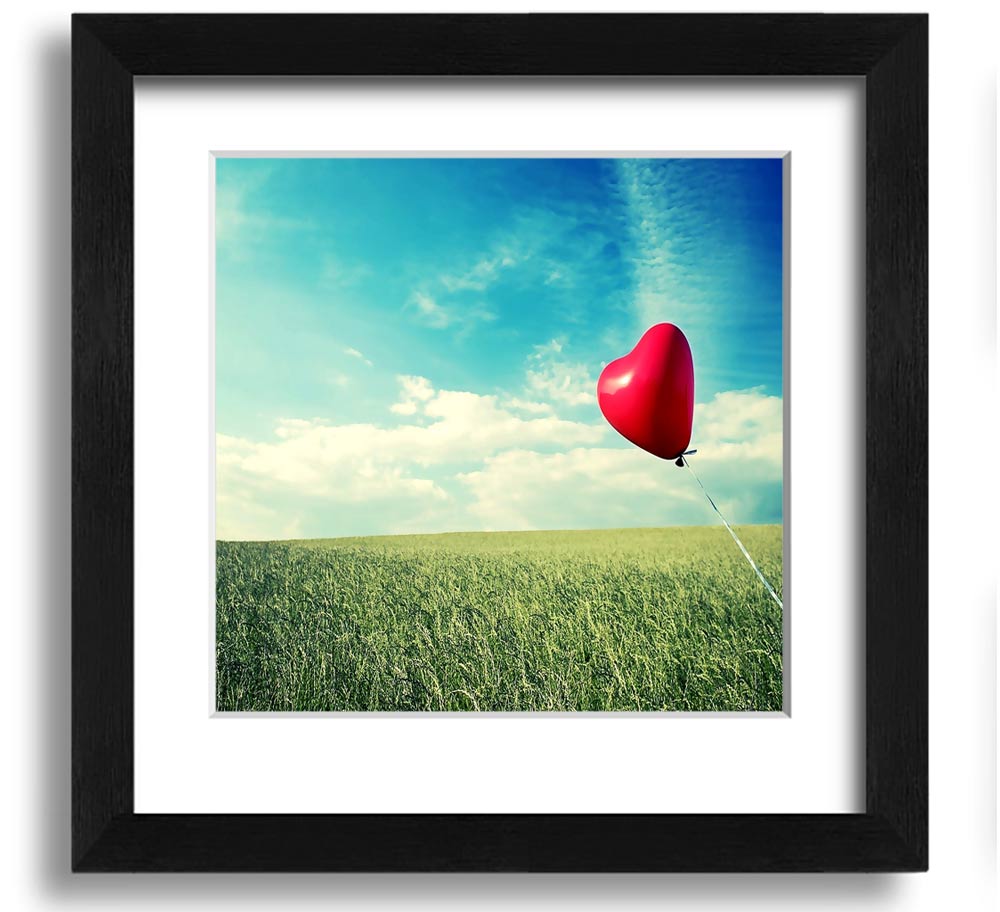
736	538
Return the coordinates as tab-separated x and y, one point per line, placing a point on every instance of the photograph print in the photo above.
499	434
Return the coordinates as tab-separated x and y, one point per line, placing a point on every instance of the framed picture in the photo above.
485	443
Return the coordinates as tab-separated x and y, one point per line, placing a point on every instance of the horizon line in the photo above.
488	532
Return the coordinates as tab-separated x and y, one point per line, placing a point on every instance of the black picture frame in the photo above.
889	51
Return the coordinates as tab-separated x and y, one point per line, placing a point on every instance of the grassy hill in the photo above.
608	620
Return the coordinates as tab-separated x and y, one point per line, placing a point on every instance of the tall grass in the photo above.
611	620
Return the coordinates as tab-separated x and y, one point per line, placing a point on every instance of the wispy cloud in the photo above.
667	220
546	248
551	377
443	300
483	273
344	273
244	223
704	246
354	353
462	317
430	312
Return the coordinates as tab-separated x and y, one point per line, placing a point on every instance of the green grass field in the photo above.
611	620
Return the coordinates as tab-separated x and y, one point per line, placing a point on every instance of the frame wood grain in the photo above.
889	51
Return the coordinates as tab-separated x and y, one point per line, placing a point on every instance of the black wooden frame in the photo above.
889	51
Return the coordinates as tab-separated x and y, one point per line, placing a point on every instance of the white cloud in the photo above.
363	464
527	405
580	488
413	392
309	458
474	462
741	424
557	380
239	515
739	459
354	353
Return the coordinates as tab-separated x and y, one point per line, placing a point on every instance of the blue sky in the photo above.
412	345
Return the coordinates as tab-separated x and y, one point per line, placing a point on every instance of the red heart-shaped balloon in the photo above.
648	395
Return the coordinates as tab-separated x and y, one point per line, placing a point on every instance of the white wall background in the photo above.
34	532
